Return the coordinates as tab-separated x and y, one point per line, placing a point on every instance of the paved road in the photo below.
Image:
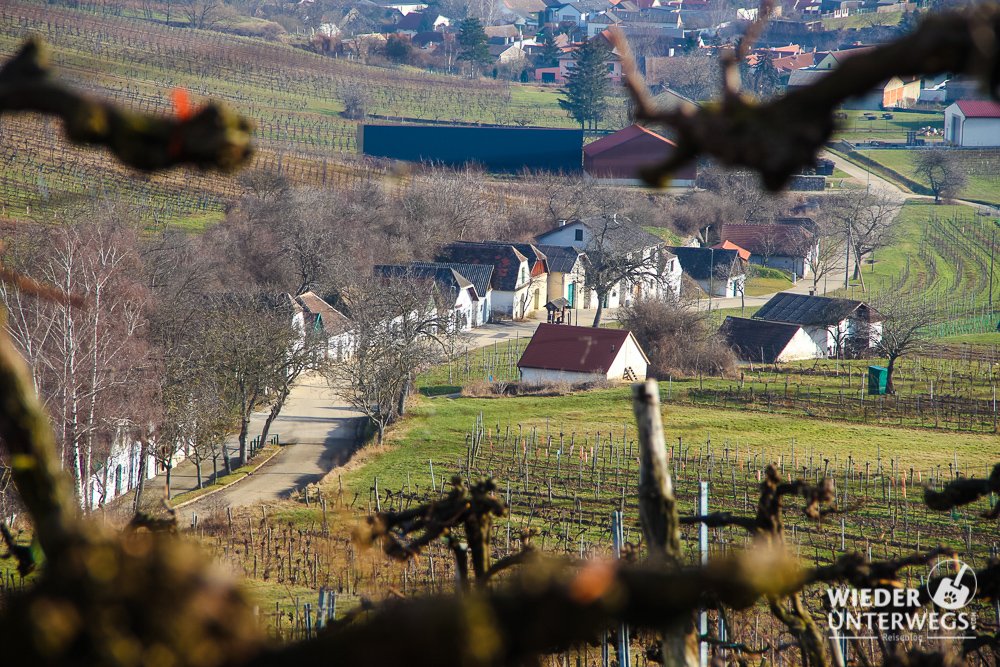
319	432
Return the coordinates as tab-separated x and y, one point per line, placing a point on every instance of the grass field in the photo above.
983	167
436	429
863	21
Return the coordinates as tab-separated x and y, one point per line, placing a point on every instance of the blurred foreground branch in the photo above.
782	136
210	137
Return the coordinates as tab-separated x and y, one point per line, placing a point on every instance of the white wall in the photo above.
723	288
800	347
964	131
122	465
543	376
629	356
980	132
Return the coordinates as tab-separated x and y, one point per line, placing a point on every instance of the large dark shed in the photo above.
501	149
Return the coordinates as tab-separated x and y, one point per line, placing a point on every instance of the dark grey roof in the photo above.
806	77
478	274
503	257
697	262
757	340
447	278
814	310
557	304
561	258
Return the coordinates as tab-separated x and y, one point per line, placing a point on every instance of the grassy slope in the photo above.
981	187
290	94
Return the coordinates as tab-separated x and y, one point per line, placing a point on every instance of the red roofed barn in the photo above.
618	157
561	353
972	123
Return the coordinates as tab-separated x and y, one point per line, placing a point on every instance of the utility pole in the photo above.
993	243
847	267
711	278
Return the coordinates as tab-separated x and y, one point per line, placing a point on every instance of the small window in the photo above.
579	235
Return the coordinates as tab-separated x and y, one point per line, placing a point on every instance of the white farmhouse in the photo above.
767	342
562	353
972	123
619	235
834	325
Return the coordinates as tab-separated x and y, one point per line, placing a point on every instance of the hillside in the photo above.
293	96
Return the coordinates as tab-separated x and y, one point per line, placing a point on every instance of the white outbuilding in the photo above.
972	123
563	353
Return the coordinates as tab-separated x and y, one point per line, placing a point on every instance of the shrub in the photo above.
677	340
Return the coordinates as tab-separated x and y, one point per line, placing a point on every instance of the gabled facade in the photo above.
719	272
789	247
972	123
901	92
767	342
619	157
622	235
834	325
315	317
480	275
567	274
512	279
454	295
562	353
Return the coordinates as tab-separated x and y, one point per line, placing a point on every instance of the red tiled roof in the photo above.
788	63
979	108
729	245
620	137
755	238
579	349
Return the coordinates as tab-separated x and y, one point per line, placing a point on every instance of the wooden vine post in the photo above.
658	515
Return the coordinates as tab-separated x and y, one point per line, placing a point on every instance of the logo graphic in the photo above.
954	592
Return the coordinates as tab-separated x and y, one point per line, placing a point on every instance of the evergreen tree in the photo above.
587	85
550	52
473	42
764	76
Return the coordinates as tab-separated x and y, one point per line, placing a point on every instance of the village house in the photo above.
836	326
618	157
621	235
123	468
768	342
788	246
901	92
454	294
719	272
312	316
480	275
517	283
972	123
567	273
562	353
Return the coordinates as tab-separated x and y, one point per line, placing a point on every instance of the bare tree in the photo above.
906	328
613	261
825	255
250	341
944	171
398	328
85	360
203	14
866	219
